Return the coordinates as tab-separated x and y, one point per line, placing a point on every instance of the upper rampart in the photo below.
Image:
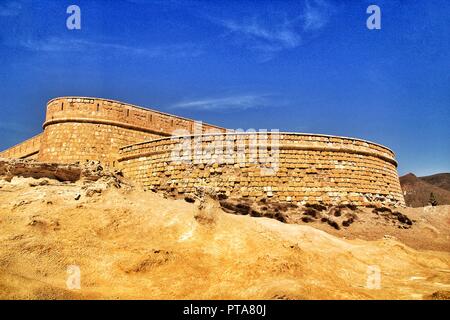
111	112
82	128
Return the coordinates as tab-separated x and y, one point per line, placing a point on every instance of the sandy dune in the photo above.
135	244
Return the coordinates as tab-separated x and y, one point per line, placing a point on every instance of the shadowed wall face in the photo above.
310	169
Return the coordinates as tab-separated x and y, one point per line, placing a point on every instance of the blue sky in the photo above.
305	66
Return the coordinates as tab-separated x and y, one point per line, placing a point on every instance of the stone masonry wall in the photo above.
78	129
308	168
27	149
72	141
311	168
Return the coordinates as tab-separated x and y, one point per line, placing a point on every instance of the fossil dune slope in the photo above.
131	244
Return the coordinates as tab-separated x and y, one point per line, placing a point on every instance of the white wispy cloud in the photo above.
316	14
282	35
241	102
262	38
271	35
10	9
75	45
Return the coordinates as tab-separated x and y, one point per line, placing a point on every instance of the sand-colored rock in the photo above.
134	244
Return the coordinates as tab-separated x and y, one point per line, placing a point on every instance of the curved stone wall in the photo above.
285	166
28	149
78	128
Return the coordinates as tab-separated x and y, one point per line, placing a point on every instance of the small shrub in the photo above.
381	209
222	196
307	219
432	200
347	222
310	212
316	206
334	224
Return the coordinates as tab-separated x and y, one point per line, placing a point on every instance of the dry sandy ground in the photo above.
134	244
430	230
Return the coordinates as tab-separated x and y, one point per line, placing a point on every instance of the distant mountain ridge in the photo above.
441	180
417	190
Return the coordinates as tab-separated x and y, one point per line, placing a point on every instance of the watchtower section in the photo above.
78	128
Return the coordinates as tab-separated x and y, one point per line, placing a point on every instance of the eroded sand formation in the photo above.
107	197
129	243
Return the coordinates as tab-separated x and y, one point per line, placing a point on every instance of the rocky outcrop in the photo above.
10	168
87	171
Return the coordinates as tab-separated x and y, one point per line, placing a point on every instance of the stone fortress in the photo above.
310	168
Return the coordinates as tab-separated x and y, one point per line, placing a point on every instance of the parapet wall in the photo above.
27	149
79	128
283	166
308	168
110	112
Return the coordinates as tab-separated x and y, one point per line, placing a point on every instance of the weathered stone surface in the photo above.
79	129
309	169
90	171
37	170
